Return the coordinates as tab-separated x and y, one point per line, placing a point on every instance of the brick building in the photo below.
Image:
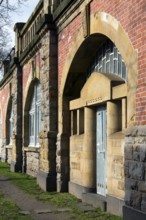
72	102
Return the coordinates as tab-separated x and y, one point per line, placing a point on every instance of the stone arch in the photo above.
27	104
105	24
102	25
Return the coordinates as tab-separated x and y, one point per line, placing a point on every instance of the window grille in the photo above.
108	60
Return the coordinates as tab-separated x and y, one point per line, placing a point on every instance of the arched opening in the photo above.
9	123
32	115
32	126
94	105
118	106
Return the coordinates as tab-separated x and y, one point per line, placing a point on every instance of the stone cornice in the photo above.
32	17
44	24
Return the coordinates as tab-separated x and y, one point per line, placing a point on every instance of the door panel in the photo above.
101	150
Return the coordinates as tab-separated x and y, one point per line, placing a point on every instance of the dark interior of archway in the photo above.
80	65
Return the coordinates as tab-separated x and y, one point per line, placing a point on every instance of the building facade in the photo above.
72	102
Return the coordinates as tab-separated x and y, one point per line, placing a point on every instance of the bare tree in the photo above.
7	7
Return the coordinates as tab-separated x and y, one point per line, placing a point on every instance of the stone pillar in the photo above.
62	160
88	156
135	173
3	151
46	176
16	164
18	42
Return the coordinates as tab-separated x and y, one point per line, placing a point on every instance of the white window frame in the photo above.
34	111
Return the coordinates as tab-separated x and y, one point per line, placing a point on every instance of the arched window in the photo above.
108	60
35	116
11	126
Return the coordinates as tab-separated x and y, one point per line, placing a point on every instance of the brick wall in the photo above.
131	14
65	39
26	73
132	17
4	99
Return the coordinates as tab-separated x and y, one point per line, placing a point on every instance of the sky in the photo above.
22	15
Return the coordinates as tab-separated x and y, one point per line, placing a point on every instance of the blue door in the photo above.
101	150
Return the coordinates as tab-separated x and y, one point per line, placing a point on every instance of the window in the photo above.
108	60
35	116
11	126
77	121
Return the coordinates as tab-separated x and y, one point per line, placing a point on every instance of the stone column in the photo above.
62	162
135	173
3	157
62	153
16	164
88	156
46	176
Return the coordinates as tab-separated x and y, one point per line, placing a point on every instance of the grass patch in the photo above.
29	185
8	210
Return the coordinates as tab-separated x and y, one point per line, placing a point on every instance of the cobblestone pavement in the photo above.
30	206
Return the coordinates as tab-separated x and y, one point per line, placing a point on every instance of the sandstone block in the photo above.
142	186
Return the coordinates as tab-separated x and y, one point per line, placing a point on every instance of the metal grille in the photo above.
108	60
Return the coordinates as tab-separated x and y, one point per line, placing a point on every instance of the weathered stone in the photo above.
128	197
136	147
131	184
142	186
126	171
136	170
32	163
143	153
128	151
140	140
129	140
143	206
141	131
136	156
121	185
131	131
117	171
136	198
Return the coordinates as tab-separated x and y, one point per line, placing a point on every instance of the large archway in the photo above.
102	27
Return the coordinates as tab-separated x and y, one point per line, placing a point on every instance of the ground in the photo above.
26	204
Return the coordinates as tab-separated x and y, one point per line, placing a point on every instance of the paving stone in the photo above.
24	212
63	210
43	211
85	208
